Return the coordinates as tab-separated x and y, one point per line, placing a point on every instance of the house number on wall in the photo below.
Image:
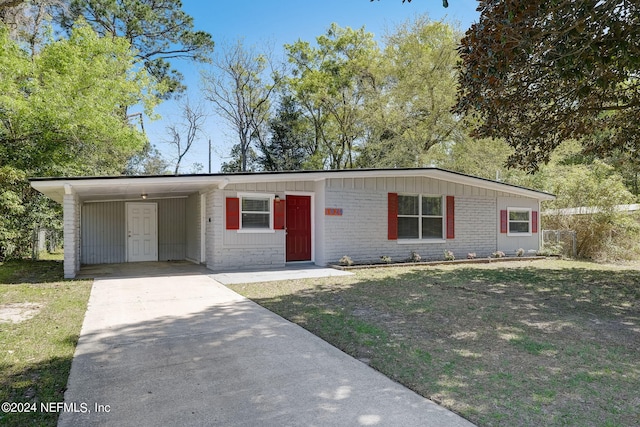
333	211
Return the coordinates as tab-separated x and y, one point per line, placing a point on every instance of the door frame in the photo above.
126	228
312	211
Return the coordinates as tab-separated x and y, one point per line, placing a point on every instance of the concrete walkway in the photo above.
290	272
185	350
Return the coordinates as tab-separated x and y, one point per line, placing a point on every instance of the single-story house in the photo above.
268	219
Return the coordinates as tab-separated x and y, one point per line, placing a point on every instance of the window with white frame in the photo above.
255	212
420	217
519	221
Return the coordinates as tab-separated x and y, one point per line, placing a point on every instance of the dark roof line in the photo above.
223	174
267	173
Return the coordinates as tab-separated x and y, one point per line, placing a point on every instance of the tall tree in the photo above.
329	80
149	161
235	163
408	110
158	30
62	105
240	85
539	72
182	135
289	145
67	104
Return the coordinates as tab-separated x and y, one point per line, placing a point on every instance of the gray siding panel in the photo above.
273	187
171	229
411	185
193	227
103	233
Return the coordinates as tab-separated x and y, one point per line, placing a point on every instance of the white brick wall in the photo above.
361	232
214	210
228	249
71	224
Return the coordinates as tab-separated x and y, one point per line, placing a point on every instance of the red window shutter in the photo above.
451	227
393	216
233	213
279	209
504	222
534	221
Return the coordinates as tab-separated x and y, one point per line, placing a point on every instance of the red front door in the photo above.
298	228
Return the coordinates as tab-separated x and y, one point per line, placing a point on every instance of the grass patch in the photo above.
37	345
57	255
530	346
546	343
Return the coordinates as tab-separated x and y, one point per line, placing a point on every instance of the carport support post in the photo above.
71	221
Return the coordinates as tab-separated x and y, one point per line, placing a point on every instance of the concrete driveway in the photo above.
185	350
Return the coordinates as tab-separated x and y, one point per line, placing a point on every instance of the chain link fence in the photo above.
563	242
45	239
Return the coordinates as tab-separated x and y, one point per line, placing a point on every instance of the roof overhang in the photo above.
168	186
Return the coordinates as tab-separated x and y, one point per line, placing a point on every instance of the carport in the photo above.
127	219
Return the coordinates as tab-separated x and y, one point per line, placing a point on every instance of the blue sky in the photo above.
278	22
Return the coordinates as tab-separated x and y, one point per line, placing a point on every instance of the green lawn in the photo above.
533	343
37	344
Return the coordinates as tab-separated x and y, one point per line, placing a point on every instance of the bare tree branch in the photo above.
183	134
236	86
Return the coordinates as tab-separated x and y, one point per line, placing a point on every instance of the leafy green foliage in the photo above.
66	103
603	232
22	209
290	142
369	107
330	81
235	164
69	103
149	161
540	72
408	108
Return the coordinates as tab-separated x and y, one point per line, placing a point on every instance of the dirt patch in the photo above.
18	312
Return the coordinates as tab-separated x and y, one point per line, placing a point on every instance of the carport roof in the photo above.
162	186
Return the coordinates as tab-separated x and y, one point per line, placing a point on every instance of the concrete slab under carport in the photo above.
141	269
229	277
185	350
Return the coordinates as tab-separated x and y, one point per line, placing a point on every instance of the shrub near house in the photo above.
587	203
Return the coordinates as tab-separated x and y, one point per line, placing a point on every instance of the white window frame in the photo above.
271	197
517	233
420	239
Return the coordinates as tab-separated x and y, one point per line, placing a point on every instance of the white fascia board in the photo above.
104	187
55	188
390	173
489	184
